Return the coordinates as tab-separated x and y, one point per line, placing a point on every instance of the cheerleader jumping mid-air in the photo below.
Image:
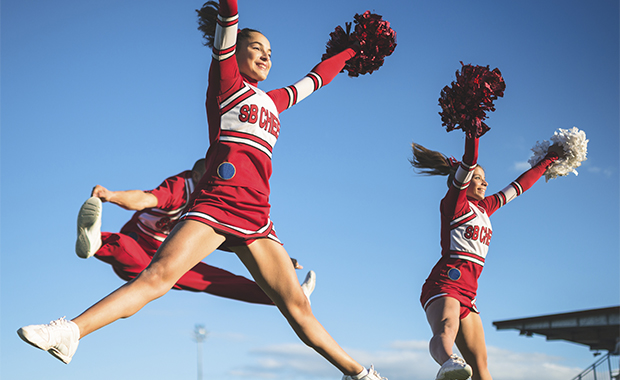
449	293
230	206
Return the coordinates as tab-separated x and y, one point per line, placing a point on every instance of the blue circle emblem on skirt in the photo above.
226	170
454	274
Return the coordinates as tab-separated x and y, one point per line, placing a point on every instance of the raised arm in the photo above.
455	201
224	71
136	200
321	74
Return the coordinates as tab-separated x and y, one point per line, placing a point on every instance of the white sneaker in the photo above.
60	338
454	368
309	283
371	374
89	228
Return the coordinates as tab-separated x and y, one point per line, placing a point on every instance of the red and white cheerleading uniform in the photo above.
130	251
466	231
244	125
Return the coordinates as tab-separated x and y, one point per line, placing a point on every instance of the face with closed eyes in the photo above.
254	56
478	185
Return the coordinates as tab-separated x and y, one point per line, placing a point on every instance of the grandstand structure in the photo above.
598	329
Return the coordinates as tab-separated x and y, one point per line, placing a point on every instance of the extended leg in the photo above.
470	341
219	282
443	317
188	243
271	267
128	258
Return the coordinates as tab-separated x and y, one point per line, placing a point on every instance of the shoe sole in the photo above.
59	356
89	215
309	283
458	374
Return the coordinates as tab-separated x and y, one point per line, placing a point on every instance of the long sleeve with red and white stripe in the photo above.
154	224
321	75
225	79
455	201
526	180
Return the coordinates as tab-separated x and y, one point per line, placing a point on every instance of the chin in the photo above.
259	78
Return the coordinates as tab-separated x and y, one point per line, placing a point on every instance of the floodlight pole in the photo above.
200	335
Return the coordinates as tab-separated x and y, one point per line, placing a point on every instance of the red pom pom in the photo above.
372	38
464	105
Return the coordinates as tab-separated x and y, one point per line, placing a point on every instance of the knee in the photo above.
447	328
299	309
155	281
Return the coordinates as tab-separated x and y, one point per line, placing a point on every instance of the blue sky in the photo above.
112	93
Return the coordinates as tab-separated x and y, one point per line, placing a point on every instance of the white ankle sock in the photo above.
360	375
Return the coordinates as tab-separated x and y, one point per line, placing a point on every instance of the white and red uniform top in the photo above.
466	229
244	126
154	224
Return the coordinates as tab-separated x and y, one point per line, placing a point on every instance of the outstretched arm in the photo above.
128	199
321	74
521	184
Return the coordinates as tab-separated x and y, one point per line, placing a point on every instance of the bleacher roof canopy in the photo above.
597	328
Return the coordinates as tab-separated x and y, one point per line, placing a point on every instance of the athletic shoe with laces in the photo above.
371	374
454	368
89	228
309	283
60	338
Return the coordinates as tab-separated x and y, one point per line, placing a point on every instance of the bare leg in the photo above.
470	341
187	244
271	268
443	316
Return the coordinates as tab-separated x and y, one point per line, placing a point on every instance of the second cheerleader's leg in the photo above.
271	267
128	258
470	341
124	253
219	282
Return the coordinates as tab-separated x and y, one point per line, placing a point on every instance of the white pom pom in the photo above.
575	146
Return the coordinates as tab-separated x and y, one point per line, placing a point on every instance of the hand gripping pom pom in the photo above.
372	38
465	103
574	145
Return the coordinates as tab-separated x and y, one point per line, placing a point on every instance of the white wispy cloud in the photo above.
400	360
598	170
522	166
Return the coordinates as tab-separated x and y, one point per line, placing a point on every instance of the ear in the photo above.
196	176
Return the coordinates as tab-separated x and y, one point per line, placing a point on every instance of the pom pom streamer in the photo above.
465	103
372	38
575	146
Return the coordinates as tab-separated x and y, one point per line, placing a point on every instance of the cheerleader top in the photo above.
244	122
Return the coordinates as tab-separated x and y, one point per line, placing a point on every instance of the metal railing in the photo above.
605	368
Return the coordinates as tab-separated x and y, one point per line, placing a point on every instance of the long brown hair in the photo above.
430	162
207	21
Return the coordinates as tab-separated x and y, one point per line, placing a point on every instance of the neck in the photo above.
472	200
250	80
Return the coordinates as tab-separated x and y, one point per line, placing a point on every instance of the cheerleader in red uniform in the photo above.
230	207
449	293
131	250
